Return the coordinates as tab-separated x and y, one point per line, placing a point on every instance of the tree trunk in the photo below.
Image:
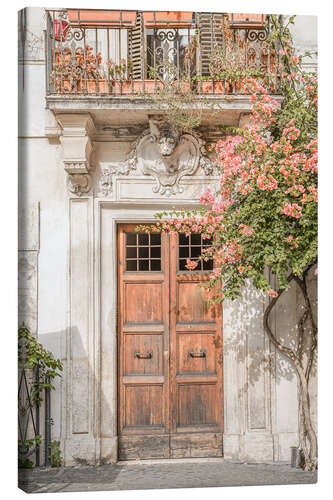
302	360
311	454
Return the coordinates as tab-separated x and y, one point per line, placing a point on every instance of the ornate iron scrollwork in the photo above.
74	34
257	35
170	35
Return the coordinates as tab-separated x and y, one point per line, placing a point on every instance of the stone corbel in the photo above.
77	148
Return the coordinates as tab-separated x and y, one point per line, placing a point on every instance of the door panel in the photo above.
170	349
143	340
195	354
151	347
196	405
143	302
144	397
192	301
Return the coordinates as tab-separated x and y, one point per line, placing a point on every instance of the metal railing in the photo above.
122	52
31	435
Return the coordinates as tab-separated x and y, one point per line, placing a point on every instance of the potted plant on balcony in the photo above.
121	76
93	76
78	71
226	68
231	64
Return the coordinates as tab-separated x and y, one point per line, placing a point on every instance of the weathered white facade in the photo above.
76	183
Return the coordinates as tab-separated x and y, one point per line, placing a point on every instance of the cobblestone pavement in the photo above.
160	474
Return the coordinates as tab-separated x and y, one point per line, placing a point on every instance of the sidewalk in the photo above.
152	474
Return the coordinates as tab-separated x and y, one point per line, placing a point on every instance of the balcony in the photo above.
117	54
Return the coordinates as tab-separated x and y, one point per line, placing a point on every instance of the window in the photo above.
167	46
143	252
191	247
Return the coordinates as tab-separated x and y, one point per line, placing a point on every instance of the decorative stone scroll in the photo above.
164	154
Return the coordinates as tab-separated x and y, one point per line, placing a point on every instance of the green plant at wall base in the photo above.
30	354
25	449
55	454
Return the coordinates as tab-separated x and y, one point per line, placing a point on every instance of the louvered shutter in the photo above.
211	27
136	47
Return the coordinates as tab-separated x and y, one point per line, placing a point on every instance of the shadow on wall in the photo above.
248	338
77	401
249	342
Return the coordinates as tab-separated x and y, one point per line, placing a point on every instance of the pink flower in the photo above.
246	230
272	293
266	183
292	210
191	264
207	198
293	242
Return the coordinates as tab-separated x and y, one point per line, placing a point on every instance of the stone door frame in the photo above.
110	214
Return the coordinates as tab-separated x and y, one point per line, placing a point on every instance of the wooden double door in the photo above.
169	349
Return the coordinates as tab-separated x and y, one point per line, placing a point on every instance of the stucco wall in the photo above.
68	295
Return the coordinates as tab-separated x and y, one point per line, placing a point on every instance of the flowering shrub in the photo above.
264	214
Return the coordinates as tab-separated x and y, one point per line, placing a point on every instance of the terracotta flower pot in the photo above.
101	88
91	86
206	87
122	87
104	87
135	87
184	86
220	87
150	86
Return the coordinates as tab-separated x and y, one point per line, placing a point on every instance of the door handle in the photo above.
140	355
201	354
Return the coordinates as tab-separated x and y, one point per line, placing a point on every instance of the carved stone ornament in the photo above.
105	181
78	178
164	154
109	170
79	184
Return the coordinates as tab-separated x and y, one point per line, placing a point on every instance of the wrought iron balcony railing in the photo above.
114	53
